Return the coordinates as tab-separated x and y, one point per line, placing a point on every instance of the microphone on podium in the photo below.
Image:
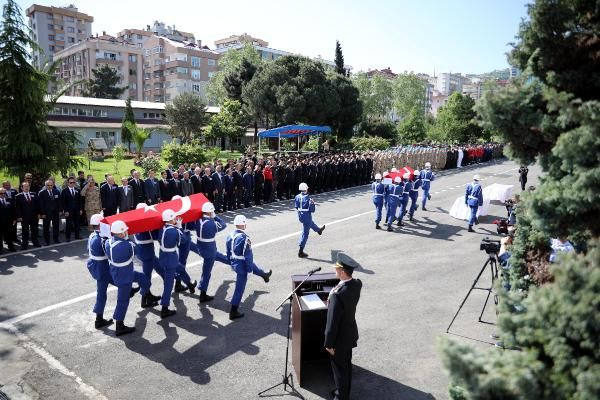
314	270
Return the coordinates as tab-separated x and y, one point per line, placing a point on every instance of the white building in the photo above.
448	83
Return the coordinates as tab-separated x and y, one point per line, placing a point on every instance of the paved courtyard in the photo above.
413	281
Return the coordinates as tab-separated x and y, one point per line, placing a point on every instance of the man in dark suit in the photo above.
219	184
176	184
70	202
166	187
152	189
49	207
7	220
208	185
10	195
341	332
26	212
125	196
109	196
138	187
197	180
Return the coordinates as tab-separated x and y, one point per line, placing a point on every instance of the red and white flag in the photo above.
403	171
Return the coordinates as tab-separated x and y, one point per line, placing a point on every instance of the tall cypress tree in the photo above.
339	59
27	143
126	133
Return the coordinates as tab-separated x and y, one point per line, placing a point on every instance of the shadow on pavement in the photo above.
366	385
34	258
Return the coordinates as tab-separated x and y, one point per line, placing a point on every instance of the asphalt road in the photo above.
413	281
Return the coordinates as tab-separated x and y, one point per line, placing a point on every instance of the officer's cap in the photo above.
427	165
303	186
476	177
394	170
118	227
378	176
168	215
397	179
239	220
95	219
208	207
406	175
176	197
417	172
344	261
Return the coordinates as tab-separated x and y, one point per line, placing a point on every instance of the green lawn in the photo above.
98	169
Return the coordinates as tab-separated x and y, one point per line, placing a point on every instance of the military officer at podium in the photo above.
341	332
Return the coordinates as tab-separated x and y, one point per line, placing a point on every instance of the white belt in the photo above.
473	197
168	250
203	240
406	192
414	190
302	209
145	241
234	257
395	195
377	194
122	264
98	258
427	180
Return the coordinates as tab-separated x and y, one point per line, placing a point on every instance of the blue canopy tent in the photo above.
292	131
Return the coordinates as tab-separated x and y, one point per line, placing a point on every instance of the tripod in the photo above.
493	263
288	379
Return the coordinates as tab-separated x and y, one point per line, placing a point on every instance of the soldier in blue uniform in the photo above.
473	199
427	177
170	240
120	253
386	192
407	186
414	194
97	265
305	208
239	253
394	196
206	230
144	250
185	245
379	192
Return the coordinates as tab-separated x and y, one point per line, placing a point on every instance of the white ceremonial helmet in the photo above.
118	227
397	179
427	165
386	173
476	177
208	207
303	187
95	219
239	220
141	205
168	215
176	197
378	177
406	176
394	170
417	172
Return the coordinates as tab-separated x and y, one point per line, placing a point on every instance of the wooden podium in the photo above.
308	326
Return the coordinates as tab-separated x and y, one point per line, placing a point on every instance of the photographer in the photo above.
511	207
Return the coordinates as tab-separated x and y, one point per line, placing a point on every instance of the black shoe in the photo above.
428	197
133	291
37	245
101	322
321	230
11	248
179	287
389	228
153	297
165	312
122	329
204	297
192	287
148	301
424	209
410	217
400	223
57	241
302	254
24	247
68	240
471	228
377	226
267	275
234	313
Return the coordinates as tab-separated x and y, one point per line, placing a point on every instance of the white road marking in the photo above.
86	389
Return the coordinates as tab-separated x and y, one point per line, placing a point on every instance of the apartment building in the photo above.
173	67
78	61
447	83
137	37
56	28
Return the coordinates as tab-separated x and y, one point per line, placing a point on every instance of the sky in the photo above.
458	36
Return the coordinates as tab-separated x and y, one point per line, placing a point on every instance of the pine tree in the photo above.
126	133
104	85
339	59
27	143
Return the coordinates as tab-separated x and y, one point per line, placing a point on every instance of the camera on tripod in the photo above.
490	246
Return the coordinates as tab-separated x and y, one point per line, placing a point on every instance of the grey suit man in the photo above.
125	198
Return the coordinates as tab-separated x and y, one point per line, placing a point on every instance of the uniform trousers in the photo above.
378	209
391	212
124	293
207	266
341	366
241	279
425	197
473	216
306	227
414	197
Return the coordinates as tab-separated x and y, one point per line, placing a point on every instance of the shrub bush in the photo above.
369	143
177	153
151	162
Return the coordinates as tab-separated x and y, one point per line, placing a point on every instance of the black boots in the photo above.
148	300
165	312
204	297
192	287
267	275
179	287
301	253
400	223
153	297
122	329
234	313
133	291
471	228
389	228
377	226
321	230
101	322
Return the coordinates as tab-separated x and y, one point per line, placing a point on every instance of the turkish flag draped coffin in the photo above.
401	173
189	208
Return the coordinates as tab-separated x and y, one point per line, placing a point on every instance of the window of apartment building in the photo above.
59	27
147	75
60	37
109	137
110	56
167	97
70	39
132	58
167	84
195	62
79	31
70	29
139	45
51	48
195	88
158	85
182	70
211	74
147	53
151	115
132	72
140	37
159	99
133	86
50	16
50	37
50	26
70	19
158	49
158	74
195	74
34	25
158	61
211	61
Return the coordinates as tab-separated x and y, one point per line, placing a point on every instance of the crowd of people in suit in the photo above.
229	185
